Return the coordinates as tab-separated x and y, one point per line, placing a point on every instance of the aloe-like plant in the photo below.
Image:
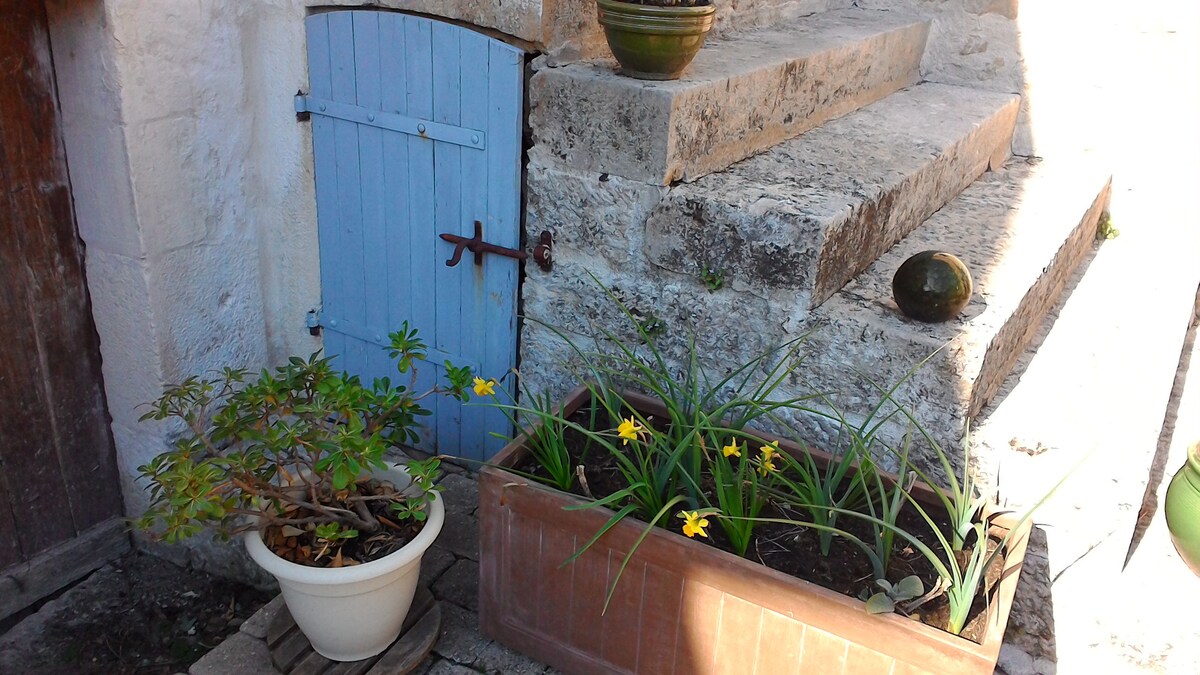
891	595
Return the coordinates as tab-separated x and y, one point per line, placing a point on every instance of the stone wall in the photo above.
194	196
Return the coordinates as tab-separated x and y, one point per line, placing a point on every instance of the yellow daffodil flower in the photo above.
694	524
485	387
732	450
767	460
628	430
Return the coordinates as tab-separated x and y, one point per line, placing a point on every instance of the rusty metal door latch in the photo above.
542	252
478	246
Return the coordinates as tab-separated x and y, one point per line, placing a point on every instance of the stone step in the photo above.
1022	231
794	224
739	97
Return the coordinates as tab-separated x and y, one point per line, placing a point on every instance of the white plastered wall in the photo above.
194	195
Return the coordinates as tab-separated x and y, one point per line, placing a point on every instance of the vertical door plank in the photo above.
10	305
394	96
320	83
58	459
473	106
60	306
374	269
37	513
10	545
448	217
350	304
506	77
423	241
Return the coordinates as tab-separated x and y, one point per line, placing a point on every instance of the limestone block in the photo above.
603	215
210	298
739	15
598	227
519	18
804	217
977	43
737	98
124	320
92	127
571	31
1022	232
971	42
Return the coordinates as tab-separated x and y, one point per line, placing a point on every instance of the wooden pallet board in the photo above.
292	654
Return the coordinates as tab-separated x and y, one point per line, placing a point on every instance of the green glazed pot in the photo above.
1183	509
654	43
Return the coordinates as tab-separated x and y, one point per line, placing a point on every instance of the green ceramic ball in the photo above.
932	286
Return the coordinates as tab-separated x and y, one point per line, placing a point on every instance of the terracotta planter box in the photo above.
682	606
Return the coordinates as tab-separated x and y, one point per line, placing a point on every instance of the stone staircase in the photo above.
773	191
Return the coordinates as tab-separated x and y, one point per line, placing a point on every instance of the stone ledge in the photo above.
1022	232
808	215
739	97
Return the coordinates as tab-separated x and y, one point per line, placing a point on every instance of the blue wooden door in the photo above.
416	132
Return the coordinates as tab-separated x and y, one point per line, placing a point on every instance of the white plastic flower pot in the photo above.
352	613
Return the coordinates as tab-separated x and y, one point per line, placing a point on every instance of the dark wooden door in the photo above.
58	478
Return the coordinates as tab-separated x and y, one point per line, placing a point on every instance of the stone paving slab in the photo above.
256	626
460	584
737	98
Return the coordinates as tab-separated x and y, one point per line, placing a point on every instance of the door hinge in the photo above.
302	114
313	321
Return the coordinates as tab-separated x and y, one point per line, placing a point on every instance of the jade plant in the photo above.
292	452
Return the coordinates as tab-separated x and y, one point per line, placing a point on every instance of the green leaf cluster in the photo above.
282	447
